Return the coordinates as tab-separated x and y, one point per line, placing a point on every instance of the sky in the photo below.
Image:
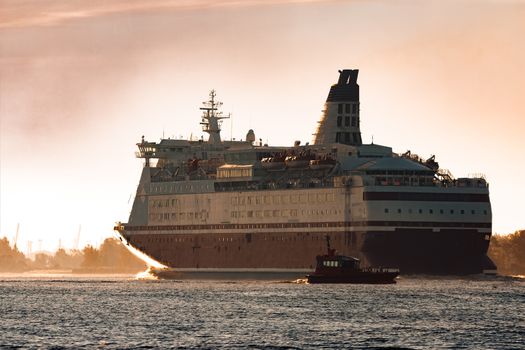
81	81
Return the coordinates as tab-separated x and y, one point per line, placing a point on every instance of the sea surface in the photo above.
113	312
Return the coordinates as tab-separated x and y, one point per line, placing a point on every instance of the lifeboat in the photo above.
274	163
298	161
326	162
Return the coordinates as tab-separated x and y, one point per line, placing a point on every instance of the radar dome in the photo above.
250	136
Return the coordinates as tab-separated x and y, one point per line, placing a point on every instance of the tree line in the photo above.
508	253
110	257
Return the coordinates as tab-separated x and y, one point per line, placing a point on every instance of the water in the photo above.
123	312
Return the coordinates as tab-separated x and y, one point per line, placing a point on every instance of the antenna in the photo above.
231	126
77	239
29	248
16	236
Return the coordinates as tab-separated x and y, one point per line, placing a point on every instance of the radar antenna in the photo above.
212	118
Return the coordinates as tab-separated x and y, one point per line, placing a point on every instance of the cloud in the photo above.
16	14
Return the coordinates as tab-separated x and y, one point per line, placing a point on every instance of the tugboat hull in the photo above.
362	278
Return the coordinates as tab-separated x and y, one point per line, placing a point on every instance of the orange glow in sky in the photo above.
82	81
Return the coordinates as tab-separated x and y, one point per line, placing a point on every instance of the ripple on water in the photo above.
416	313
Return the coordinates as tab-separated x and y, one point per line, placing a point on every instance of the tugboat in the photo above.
333	268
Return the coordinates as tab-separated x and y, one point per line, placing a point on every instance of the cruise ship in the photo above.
218	206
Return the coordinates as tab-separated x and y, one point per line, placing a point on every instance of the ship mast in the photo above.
211	119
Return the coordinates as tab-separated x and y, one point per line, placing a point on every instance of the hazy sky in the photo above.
81	81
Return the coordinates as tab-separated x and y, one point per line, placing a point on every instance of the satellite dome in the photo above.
250	136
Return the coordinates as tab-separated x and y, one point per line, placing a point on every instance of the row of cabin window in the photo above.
355	121
347	107
431	211
331	263
203	215
159	188
236	239
404	181
249	200
282	213
174	202
283	199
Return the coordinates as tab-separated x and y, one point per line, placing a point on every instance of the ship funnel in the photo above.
340	120
347	76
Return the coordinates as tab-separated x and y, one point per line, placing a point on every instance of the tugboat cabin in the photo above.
328	261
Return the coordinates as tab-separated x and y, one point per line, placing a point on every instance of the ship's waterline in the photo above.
243	206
